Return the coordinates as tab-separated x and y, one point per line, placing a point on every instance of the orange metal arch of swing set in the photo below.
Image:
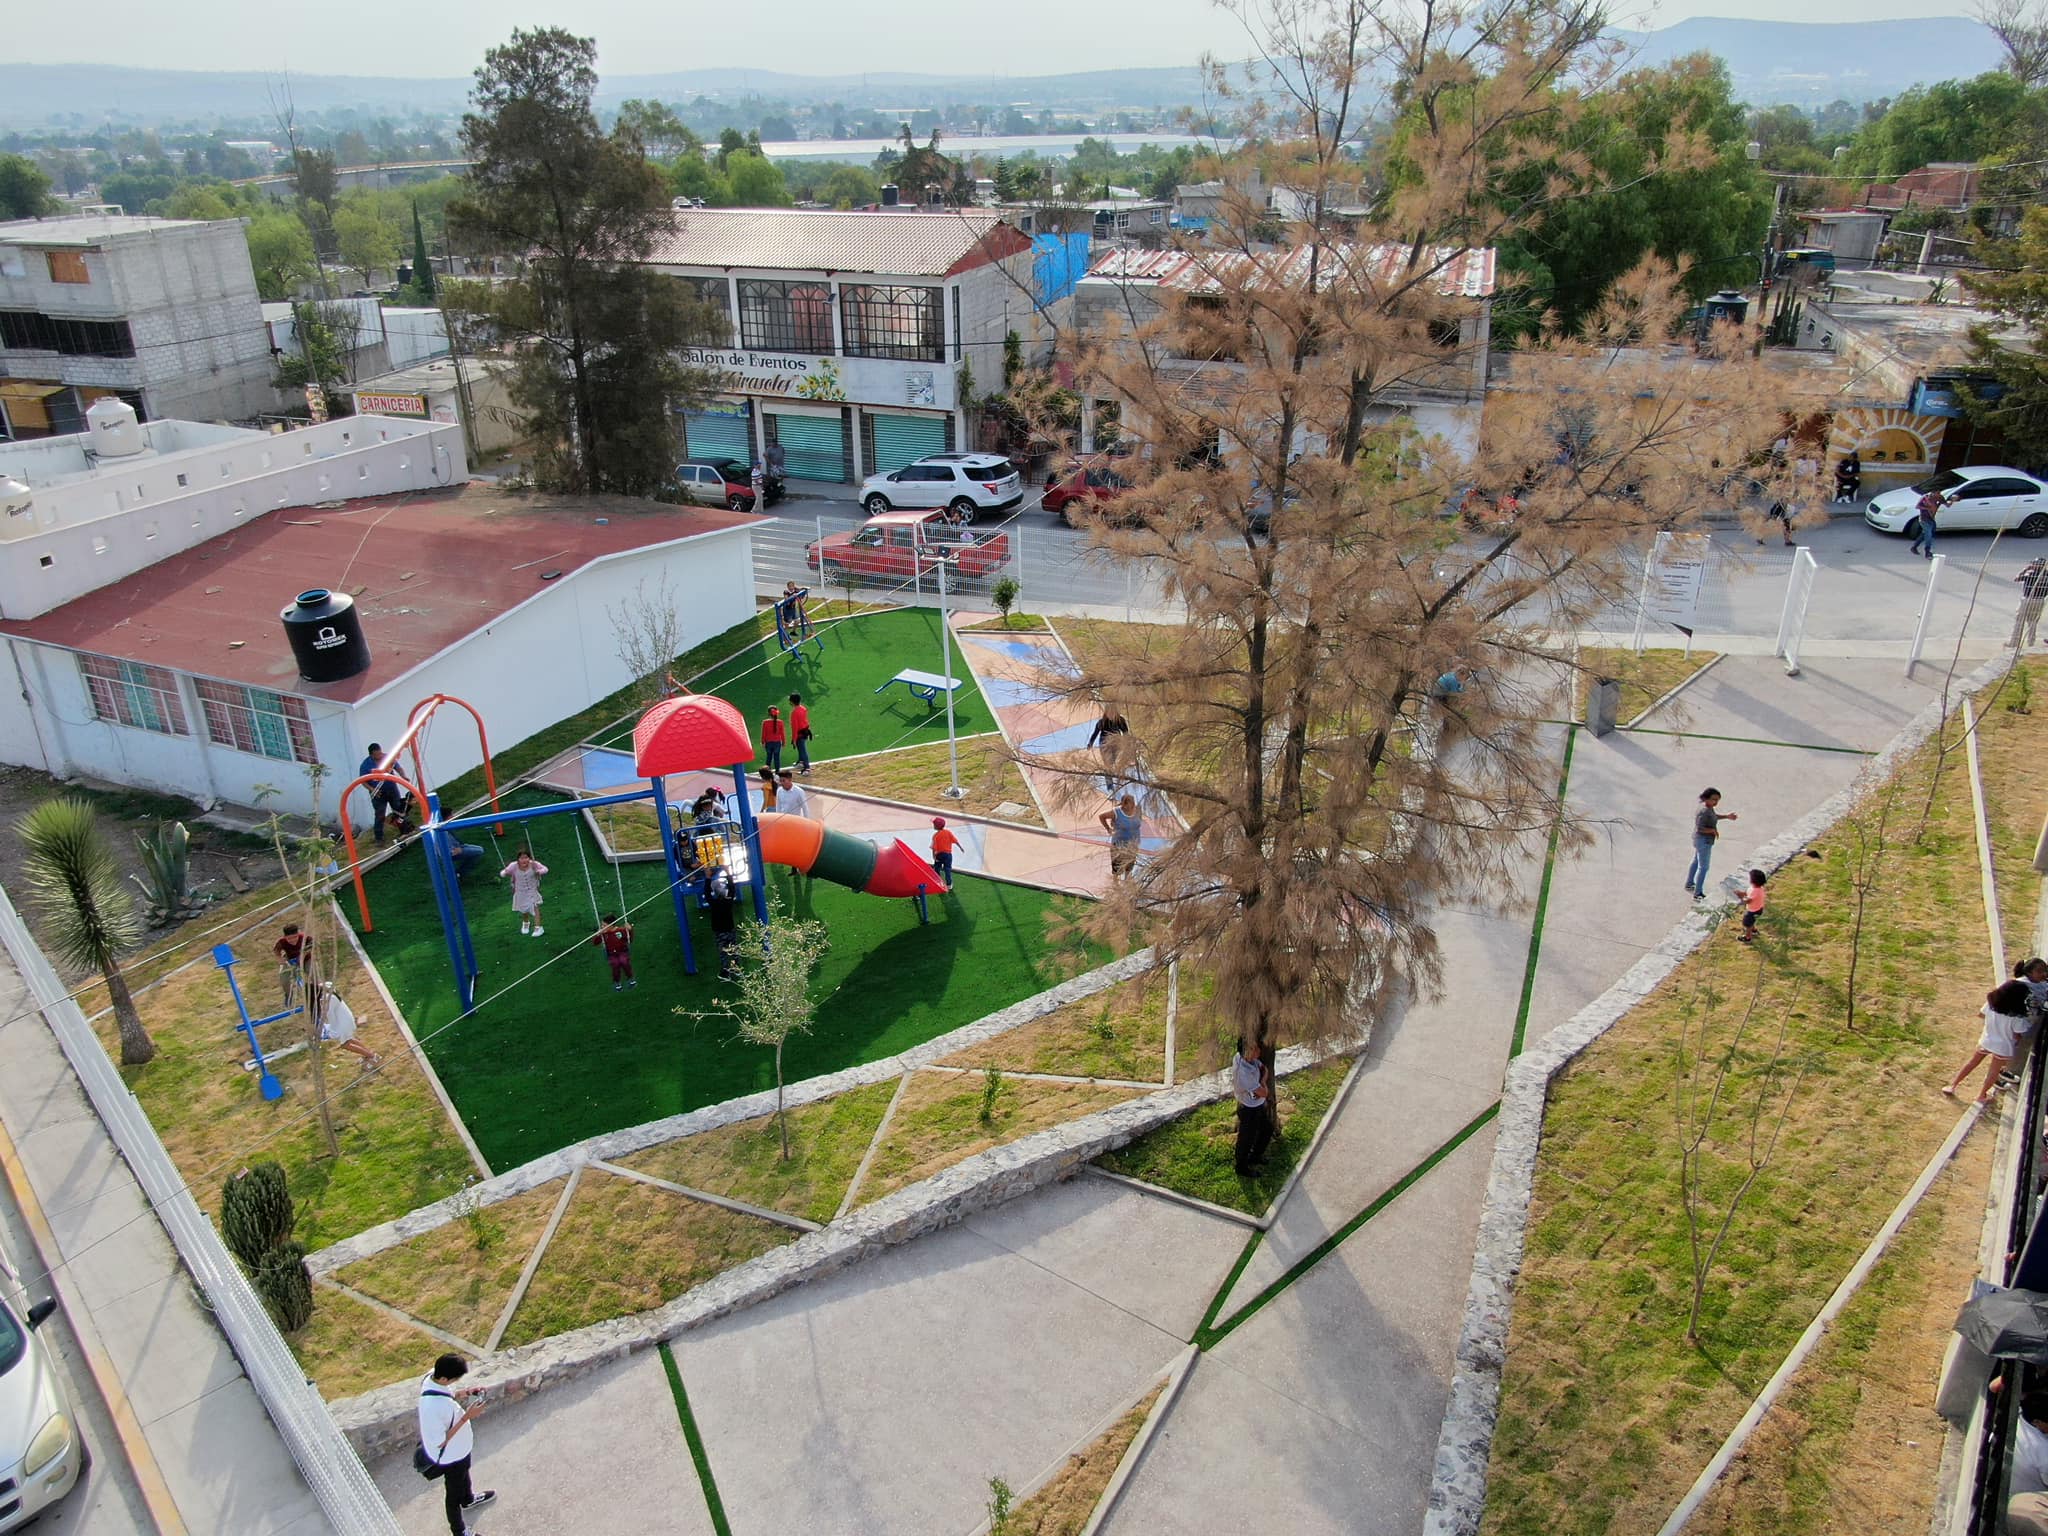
416	722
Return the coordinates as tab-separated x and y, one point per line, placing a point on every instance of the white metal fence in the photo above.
326	1460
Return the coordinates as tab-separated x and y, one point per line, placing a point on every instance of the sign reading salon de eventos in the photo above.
800	376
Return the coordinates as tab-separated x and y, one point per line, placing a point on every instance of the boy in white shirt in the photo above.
448	1441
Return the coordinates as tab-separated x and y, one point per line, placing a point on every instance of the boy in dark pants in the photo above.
448	1440
1248	1085
721	902
800	731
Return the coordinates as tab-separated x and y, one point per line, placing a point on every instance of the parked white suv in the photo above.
966	484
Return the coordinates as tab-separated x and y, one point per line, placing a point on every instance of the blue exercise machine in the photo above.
267	1083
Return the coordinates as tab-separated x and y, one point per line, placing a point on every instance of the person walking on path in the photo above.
773	734
800	732
1107	742
944	841
1124	826
792	796
449	1443
2033	583
2005	1020
1251	1086
1706	829
524	872
338	1025
1926	511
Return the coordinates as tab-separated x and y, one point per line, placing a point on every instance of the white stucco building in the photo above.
180	678
851	333
161	313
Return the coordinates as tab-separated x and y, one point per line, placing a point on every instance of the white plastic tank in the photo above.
15	498
114	431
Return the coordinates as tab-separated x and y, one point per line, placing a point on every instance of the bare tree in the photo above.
302	858
1333	559
2021	27
1867	837
648	634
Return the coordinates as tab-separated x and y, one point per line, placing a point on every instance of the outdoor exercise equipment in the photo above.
266	1082
793	627
928	686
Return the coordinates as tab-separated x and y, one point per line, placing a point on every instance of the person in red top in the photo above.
800	731
290	950
773	734
944	841
616	938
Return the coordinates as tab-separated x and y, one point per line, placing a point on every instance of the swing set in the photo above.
793	627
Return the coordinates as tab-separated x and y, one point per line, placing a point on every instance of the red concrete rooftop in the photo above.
425	569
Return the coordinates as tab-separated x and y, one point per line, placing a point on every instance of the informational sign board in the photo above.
1678	569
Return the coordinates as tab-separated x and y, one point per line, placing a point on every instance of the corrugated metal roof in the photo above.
909	241
1460	274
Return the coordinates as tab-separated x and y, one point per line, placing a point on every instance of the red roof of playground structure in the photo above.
426	570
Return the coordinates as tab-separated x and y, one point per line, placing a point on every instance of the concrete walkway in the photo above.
883	1399
205	1455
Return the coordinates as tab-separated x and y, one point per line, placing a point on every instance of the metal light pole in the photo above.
952	791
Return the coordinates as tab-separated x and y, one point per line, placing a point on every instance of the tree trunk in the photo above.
137	1049
317	1052
781	1120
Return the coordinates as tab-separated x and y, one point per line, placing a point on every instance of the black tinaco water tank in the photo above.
326	636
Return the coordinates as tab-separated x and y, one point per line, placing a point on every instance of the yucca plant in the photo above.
166	865
87	914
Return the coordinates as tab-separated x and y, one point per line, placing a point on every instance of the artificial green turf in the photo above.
559	1056
847	715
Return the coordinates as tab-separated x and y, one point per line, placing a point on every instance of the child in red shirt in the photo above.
800	731
773	734
1753	905
616	938
944	841
290	950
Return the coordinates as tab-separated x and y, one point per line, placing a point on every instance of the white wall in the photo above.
544	661
134	513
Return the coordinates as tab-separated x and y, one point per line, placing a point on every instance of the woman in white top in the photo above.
338	1025
2005	1020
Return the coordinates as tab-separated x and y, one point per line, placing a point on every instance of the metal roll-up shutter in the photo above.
717	435
901	440
813	447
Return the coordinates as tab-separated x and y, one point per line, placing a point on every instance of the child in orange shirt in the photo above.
1752	905
944	841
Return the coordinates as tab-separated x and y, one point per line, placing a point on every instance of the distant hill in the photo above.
1813	63
1771	61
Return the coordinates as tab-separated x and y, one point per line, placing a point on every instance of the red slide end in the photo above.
900	870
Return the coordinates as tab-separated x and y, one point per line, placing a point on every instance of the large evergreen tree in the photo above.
577	210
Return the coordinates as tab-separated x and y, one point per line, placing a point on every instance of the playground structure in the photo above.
793	627
684	734
266	1080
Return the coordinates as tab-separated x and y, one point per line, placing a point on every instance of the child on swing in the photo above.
524	872
615	936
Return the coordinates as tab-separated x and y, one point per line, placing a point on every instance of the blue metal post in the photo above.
675	874
750	833
266	1081
435	879
451	874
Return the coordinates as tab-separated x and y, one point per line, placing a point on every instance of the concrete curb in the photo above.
1457	1495
614	1145
1176	1377
385	1419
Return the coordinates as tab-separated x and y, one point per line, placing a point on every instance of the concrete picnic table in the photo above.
926	685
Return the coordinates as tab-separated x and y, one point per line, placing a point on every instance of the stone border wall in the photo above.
1457	1495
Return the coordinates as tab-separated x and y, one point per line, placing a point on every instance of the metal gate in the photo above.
813	447
718	435
900	440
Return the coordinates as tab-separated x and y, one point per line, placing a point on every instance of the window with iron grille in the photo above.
903	323
257	720
714	293
785	317
129	693
26	330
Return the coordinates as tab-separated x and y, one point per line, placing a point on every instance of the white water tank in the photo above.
15	498
114	431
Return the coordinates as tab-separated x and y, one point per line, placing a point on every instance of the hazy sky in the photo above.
404	37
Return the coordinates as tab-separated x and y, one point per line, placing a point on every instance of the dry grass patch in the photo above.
1022	622
349	1348
1062	1506
938	1122
626	1247
917	775
627	828
1644	678
442	1277
744	1162
1120	1032
1607	1412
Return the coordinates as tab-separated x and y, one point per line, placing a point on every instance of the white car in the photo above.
968	485
41	1452
1980	497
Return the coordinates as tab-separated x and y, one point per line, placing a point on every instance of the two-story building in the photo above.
856	340
161	313
1126	289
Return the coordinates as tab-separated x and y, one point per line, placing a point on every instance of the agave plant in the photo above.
75	887
166	864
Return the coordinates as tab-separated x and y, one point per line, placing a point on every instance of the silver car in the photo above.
1976	498
41	1452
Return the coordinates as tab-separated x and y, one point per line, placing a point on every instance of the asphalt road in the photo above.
1867	592
106	1501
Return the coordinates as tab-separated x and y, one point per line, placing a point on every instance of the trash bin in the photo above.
1603	704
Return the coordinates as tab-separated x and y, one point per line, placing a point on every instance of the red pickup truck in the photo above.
899	545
